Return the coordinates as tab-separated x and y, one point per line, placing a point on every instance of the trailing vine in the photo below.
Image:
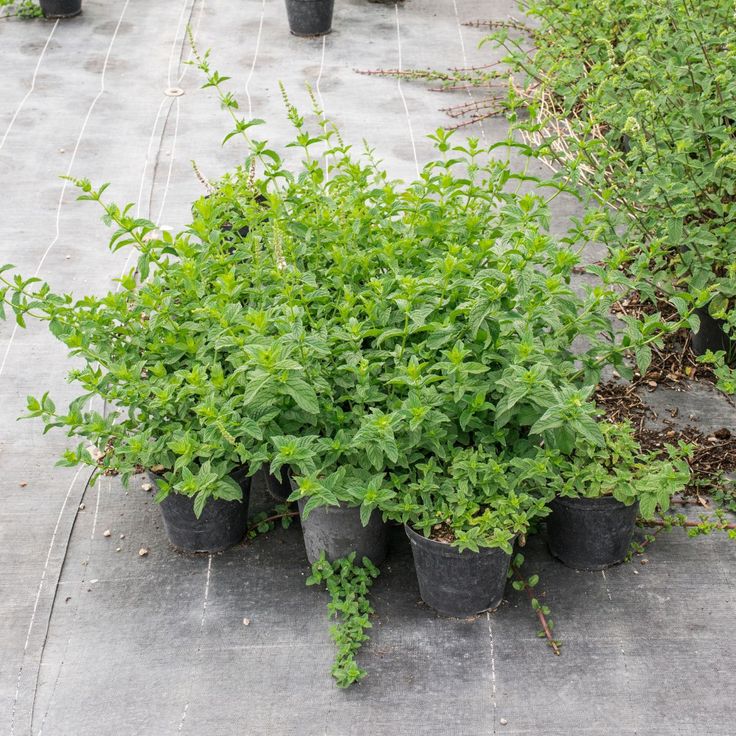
348	584
705	524
265	521
520	582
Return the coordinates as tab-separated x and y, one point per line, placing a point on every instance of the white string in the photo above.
68	173
199	644
170	100
465	61
38	598
255	58
76	612
401	91
32	87
321	100
493	670
176	36
171	165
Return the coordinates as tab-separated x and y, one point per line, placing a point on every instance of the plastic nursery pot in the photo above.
279	486
590	533
221	525
310	17
711	335
337	531
458	583
61	8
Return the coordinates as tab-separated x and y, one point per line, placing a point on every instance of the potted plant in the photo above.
426	317
310	17
601	488
61	8
218	524
172	359
339	516
462	518
711	336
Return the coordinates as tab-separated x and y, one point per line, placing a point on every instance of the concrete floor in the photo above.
96	641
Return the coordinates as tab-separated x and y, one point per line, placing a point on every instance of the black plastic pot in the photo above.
278	487
310	17
337	531
458	583
590	533
221	525
61	8
711	335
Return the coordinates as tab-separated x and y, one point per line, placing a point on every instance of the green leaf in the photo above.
303	394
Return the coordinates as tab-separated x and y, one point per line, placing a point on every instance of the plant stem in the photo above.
540	614
689	523
276	517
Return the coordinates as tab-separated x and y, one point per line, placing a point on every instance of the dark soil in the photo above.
674	363
713	455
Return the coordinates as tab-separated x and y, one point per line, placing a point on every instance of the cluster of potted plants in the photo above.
388	352
392	351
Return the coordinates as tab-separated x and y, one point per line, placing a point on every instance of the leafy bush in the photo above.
620	469
635	99
331	320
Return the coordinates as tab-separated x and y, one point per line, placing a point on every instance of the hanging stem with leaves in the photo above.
349	584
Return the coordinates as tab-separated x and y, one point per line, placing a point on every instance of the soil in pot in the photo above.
222	524
711	336
309	17
337	531
61	8
590	533
458	583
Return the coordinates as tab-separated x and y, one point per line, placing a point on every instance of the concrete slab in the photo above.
96	640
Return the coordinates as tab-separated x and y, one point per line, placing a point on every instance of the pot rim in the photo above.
447	549
598	502
343	507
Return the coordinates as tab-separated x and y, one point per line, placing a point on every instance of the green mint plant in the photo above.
542	611
171	358
331	320
348	584
634	101
619	468
20	9
432	311
479	499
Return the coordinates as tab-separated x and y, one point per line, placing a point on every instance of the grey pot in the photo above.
337	531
